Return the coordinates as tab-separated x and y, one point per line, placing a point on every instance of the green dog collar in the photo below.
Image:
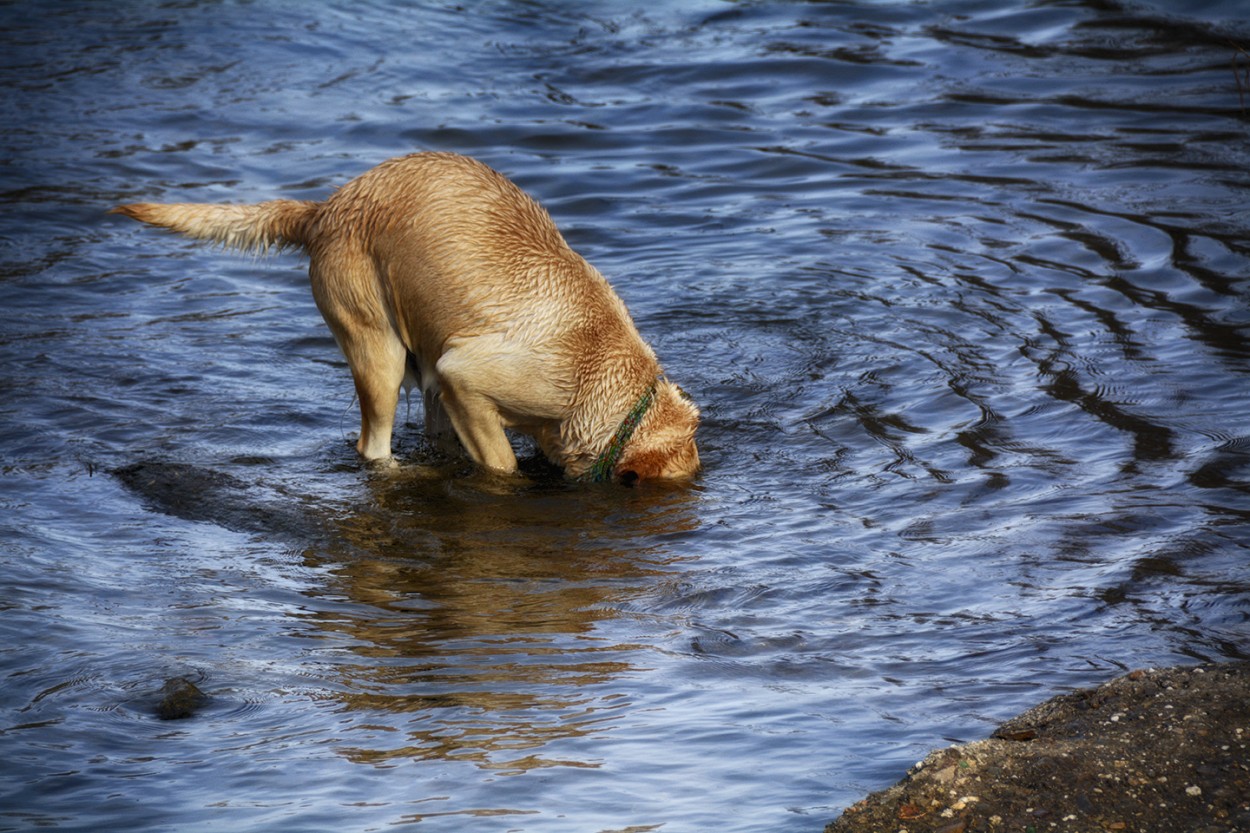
601	469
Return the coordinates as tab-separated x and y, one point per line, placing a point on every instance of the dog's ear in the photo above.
664	447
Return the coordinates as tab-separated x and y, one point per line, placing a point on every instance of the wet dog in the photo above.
434	270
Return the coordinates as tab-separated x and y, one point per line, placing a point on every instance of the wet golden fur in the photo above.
434	269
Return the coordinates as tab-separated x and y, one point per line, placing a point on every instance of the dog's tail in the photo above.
277	224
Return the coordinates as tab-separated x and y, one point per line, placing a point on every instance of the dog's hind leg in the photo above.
377	362
377	357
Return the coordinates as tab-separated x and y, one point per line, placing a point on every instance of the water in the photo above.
962	288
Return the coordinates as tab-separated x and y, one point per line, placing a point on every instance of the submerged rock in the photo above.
201	494
1157	751
179	698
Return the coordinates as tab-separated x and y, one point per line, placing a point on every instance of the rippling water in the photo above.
961	286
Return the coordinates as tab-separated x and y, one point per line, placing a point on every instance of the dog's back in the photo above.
468	252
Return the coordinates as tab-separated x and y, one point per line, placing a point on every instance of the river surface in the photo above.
963	289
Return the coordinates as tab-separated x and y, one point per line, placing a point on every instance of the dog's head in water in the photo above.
663	446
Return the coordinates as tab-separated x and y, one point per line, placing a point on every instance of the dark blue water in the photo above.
962	288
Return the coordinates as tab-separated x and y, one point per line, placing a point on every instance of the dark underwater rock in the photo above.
179	699
197	493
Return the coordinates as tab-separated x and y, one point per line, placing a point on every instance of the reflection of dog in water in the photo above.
434	269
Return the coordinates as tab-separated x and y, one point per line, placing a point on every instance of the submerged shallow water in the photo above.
961	287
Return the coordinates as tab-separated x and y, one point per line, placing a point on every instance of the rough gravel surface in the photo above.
1149	752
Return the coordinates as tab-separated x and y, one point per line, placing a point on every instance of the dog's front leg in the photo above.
473	413
439	431
480	430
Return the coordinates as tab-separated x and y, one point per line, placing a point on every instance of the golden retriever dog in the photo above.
433	269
